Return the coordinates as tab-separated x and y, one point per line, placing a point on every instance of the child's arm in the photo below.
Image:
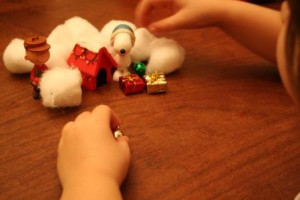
92	189
91	162
254	26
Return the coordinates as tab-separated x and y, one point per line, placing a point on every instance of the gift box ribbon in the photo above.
130	79
156	78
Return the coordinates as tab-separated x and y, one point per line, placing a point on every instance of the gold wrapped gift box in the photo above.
156	83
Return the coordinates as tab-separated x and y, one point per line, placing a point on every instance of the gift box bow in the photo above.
131	78
155	78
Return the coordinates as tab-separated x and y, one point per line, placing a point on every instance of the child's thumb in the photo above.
124	143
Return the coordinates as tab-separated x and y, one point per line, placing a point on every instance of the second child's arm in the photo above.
254	26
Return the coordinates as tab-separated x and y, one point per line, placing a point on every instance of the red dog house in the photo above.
96	68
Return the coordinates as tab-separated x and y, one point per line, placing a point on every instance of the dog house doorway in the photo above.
101	77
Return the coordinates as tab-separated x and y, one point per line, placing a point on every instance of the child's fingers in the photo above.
145	8
140	20
123	138
83	115
65	130
171	23
106	116
115	121
123	142
67	127
142	12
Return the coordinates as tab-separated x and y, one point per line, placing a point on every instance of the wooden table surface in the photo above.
225	130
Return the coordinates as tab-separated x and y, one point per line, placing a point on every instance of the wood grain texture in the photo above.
225	130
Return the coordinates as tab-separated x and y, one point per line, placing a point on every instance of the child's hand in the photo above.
181	14
88	152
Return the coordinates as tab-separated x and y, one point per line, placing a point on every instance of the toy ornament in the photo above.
122	41
139	69
118	133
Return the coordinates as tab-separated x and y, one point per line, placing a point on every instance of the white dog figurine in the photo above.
122	40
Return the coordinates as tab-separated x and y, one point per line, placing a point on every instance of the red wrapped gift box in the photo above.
131	84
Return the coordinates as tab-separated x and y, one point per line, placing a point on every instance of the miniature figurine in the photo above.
37	52
122	41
